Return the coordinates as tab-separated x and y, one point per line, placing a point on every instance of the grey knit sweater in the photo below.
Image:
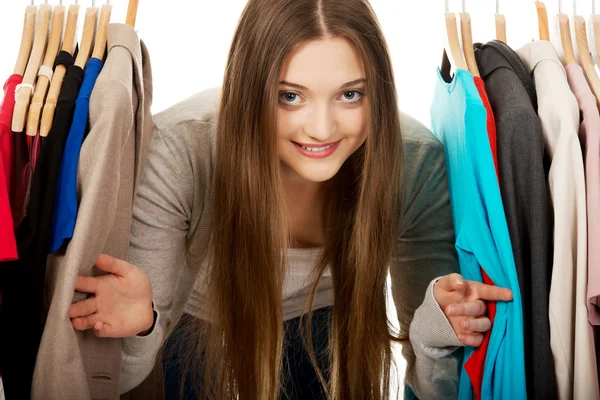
172	213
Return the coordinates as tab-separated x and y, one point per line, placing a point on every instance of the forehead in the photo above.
324	63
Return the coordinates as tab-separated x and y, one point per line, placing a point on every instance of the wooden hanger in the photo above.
566	40
454	55
500	24
87	38
542	15
595	21
100	45
467	41
26	39
68	45
587	62
25	89
43	82
132	13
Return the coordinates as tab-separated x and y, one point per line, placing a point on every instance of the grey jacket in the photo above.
71	364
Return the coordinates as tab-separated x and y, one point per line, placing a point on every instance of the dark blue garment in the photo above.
65	203
300	378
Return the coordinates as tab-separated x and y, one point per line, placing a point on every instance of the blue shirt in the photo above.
65	204
458	119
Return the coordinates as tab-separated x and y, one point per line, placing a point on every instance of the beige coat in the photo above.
571	337
71	364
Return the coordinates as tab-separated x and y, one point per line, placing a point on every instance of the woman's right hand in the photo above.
121	304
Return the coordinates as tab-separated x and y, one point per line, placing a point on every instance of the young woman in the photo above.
284	197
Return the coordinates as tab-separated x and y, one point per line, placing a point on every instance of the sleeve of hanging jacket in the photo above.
425	251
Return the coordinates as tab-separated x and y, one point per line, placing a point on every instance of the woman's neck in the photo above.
305	219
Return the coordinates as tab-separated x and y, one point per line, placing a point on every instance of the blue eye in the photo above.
288	97
353	97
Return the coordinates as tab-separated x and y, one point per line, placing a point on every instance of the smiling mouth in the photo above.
317	151
316	148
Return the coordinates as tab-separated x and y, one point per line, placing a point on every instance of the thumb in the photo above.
452	283
111	265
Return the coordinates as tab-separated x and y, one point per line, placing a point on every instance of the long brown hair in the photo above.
249	224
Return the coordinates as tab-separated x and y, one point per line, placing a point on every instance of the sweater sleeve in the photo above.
158	245
425	251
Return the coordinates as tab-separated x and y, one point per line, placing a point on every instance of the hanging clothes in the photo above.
474	366
19	347
8	244
482	238
490	122
559	116
589	135
65	204
525	198
110	164
20	179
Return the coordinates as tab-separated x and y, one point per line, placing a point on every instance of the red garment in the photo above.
475	364
8	245
491	123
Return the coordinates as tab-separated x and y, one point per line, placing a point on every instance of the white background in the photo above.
188	42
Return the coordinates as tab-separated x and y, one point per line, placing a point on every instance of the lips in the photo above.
317	151
316	144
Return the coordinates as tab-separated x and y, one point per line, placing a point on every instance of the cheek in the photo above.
288	124
355	127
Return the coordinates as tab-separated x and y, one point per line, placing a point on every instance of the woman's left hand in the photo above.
464	303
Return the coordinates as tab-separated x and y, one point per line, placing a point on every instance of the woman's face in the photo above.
323	109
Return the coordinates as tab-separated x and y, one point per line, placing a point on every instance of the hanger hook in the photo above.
593	7
574	8
497	6
463	5
447	6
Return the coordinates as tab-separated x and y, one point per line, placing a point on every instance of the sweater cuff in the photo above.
138	344
430	327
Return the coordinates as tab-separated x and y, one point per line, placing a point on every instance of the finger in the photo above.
112	265
471	309
85	323
104	330
489	292
471	339
86	284
452	282
481	325
83	308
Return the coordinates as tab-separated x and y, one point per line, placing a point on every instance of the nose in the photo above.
322	124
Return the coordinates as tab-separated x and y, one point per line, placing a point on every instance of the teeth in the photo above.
316	149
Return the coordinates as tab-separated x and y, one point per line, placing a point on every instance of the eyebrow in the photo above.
345	85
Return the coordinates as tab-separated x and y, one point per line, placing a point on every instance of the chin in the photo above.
317	176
